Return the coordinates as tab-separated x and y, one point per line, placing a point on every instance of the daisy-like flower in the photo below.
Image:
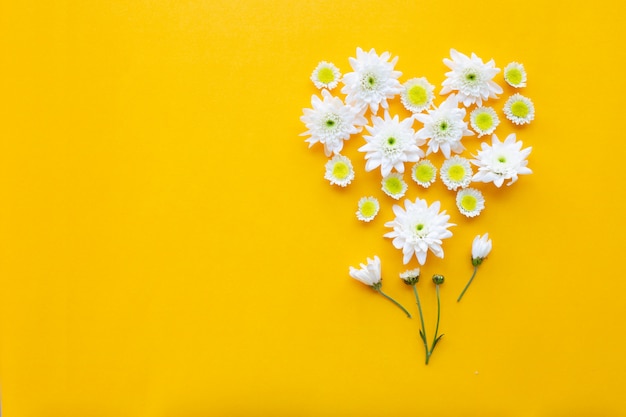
470	202
484	120
481	246
456	172
326	75
419	228
444	127
390	144
501	161
330	122
417	94
424	173
394	186
411	276
367	209
373	80
471	78
339	171
515	75
370	275
519	109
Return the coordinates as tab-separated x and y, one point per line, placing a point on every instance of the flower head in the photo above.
456	172
419	228
339	170
417	94
326	75
484	120
438	279
471	78
390	144
519	109
368	274
515	75
470	202
481	246
445	128
394	186
372	81
367	209
424	173
330	122
410	276
501	161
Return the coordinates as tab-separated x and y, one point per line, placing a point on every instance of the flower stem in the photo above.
423	333
394	301
437	337
468	283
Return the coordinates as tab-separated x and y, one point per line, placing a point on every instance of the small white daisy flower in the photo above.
519	109
424	173
444	127
372	81
501	161
471	78
417	94
484	120
326	75
418	228
410	276
369	274
456	172
390	144
367	209
394	185
339	171
481	247
515	75
470	202
331	122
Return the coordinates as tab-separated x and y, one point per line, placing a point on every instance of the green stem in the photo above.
468	284
419	308
394	301
438	317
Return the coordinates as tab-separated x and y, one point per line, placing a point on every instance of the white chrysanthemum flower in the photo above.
470	202
501	161
515	75
390	144
367	209
373	80
394	185
326	75
444	127
369	274
410	276
417	94
330	122
481	247
424	173
419	228
470	78
339	171
484	120
519	109
456	172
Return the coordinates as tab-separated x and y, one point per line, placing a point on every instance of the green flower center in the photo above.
393	185
330	123
424	173
471	77
326	75
419	227
341	170
391	141
484	121
417	95
514	76
468	202
443	126
501	159
368	209
520	109
369	81
456	172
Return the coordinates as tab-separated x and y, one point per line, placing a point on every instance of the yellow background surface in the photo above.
169	247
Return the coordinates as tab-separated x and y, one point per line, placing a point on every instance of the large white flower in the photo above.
501	161
369	274
330	122
471	78
419	228
373	80
445	128
390	144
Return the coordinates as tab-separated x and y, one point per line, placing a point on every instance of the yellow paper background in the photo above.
169	247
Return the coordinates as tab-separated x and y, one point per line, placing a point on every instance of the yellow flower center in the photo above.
424	173
484	121
514	76
520	109
456	172
393	185
417	95
368	209
341	170
325	75
468	202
